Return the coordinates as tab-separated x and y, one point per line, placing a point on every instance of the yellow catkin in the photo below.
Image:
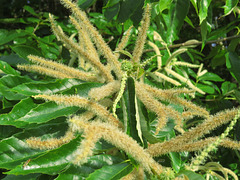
123	42
166	78
87	43
85	149
97	38
159	58
104	91
44	70
170	112
77	49
52	143
153	105
122	141
184	80
197	132
69	71
76	100
142	35
170	96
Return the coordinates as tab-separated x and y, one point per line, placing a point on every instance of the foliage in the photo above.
210	71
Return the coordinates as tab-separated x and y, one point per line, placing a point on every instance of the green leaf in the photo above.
164	4
75	172
27	112
129	109
18	111
206	88
111	172
210	77
189	21
28	177
112	11
194	3
204	32
144	122
234	60
177	13
7	36
229	6
46	112
237	95
5	67
8	82
42	87
203	9
30	10
51	162
14	150
24	50
111	3
94	163
14	59
84	4
192	175
127	8
227	87
176	161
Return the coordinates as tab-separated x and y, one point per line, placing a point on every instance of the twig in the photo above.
195	43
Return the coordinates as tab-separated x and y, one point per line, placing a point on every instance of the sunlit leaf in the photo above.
6	68
177	13
229	6
203	10
111	172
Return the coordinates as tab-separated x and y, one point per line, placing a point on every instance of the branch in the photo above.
194	43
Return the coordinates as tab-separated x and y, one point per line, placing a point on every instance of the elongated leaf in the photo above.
8	82
94	163
234	60
111	172
145	127
204	32
51	162
41	87
14	59
229	6
7	36
30	10
24	50
19	110
176	161
46	112
84	4
75	172
178	12
5	67
14	151
111	3
192	175
210	77
26	177
27	112
127	8
112	11
203	9
130	111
